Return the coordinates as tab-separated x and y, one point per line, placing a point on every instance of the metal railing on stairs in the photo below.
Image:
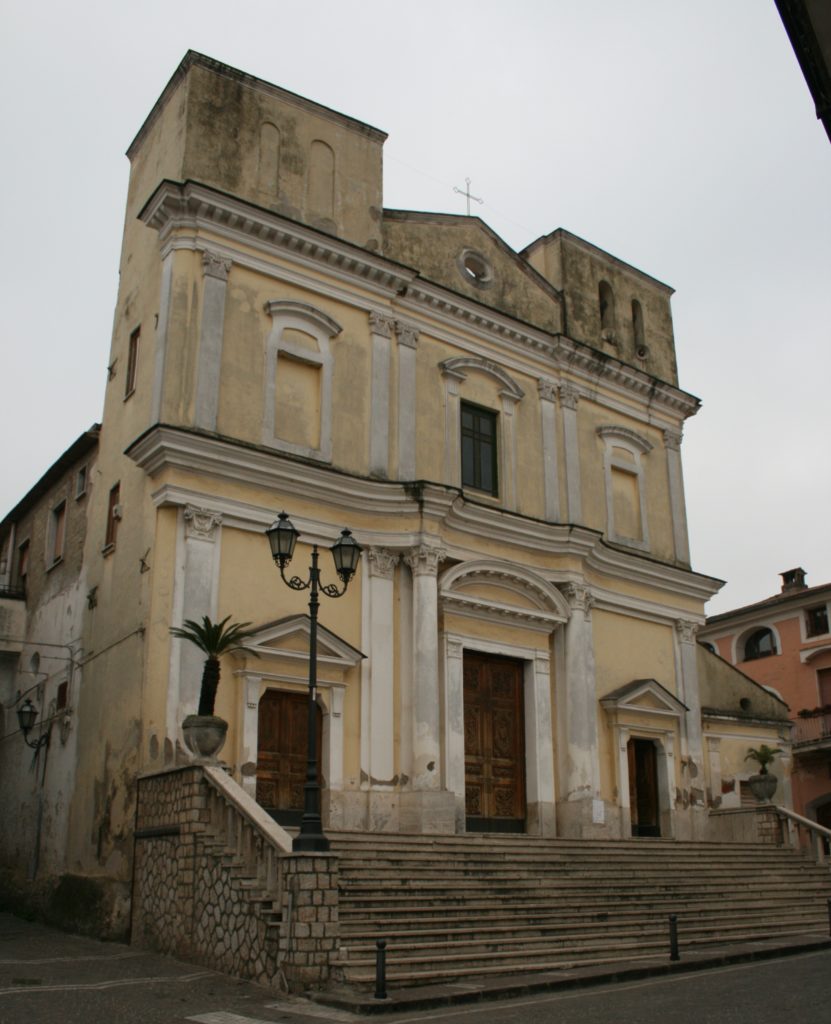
800	833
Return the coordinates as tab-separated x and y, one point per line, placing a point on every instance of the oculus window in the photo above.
478	435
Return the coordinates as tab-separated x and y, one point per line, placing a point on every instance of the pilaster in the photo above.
212	325
693	761
381	328
678	506
569	397
548	427
407	337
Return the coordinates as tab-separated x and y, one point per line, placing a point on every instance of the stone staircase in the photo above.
462	907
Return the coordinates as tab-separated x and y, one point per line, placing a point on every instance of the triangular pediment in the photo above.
289	638
645	696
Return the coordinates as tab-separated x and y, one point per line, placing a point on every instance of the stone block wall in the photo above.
198	892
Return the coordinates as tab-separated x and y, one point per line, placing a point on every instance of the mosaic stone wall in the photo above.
197	895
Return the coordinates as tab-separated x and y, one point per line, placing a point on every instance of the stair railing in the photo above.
248	833
798	832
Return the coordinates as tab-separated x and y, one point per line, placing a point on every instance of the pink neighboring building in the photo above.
784	643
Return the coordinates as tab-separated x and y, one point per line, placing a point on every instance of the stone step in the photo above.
362	929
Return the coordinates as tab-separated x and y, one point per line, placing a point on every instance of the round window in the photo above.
475	268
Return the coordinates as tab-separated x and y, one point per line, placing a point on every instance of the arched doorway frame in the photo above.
536	606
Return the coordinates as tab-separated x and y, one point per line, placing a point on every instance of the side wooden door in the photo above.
494	744
282	753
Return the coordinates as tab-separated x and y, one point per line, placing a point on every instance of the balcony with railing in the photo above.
812	730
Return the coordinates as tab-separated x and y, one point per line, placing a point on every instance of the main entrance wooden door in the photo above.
643	788
494	744
282	752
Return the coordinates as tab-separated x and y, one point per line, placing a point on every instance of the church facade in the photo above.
501	432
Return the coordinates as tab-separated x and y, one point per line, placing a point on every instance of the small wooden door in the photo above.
494	744
643	788
282	753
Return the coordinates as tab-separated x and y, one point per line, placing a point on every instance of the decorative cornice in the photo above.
201	523
180	211
220	459
380	324
305	311
214	265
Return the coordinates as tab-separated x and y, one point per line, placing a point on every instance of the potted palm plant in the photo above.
763	784
205	732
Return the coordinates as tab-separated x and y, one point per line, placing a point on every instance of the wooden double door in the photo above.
282	754
494	744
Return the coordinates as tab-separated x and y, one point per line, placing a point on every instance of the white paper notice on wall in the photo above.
598	812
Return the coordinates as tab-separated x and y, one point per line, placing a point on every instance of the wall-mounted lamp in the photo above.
27	715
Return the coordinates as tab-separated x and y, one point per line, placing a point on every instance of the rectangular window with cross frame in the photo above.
478	429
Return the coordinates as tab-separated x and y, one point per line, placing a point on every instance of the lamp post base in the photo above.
310	842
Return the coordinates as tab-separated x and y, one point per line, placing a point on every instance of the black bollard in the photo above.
673	937
381	969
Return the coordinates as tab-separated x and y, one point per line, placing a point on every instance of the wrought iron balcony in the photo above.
812	729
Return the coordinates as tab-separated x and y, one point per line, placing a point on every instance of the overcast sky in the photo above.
678	136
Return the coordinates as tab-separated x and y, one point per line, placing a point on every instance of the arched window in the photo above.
708	646
606	300
760	644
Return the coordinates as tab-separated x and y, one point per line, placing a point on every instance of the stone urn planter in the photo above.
762	786
204	735
205	732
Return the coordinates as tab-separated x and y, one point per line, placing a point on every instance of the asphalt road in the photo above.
48	977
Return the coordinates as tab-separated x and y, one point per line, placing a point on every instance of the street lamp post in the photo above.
346	552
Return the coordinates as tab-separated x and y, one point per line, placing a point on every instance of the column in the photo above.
685	632
194	595
380	328
622	743
569	397
427	807
580	808
382	806
407	341
212	327
548	425
672	440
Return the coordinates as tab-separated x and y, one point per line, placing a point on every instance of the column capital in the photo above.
424	559
579	597
201	523
548	389
380	323
406	334
686	630
382	562
673	438
569	396
214	265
